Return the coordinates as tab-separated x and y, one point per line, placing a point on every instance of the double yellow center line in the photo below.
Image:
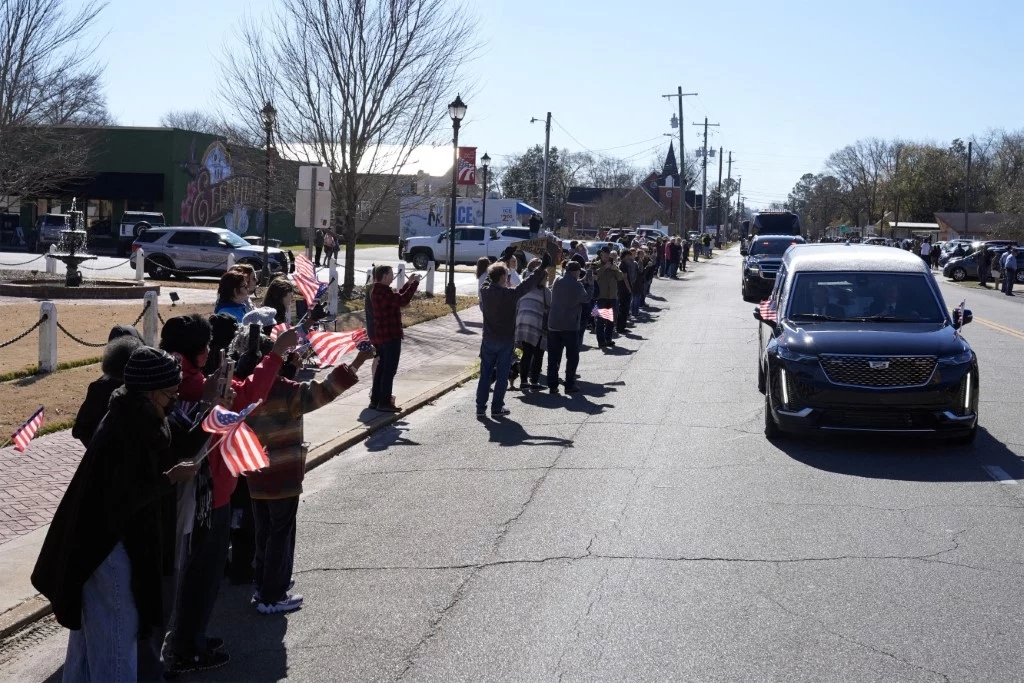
1000	328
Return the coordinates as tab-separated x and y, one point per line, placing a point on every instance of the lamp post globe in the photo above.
457	112
485	162
269	119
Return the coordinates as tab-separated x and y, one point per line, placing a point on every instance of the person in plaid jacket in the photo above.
386	336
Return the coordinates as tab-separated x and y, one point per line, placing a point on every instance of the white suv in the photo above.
200	251
133	224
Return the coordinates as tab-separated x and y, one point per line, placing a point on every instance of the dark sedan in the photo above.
761	261
858	339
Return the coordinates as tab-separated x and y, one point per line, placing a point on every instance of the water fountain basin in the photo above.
42	288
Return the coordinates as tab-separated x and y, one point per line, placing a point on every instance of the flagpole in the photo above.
8	442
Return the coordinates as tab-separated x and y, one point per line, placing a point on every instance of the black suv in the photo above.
857	339
761	261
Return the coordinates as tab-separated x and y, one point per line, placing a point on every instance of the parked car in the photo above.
593	248
471	243
49	227
187	251
651	233
133	224
966	267
761	263
857	339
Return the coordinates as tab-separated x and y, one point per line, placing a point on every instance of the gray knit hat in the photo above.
150	369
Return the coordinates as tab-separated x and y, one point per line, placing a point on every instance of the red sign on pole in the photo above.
467	165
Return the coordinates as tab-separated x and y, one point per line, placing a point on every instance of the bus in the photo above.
776	223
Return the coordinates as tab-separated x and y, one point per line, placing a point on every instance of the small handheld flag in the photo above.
27	431
331	346
768	311
242	451
604	313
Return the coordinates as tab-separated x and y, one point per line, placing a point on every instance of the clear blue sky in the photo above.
789	81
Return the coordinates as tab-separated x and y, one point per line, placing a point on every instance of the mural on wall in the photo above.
217	194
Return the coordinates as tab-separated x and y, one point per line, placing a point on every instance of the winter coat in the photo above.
92	410
531	312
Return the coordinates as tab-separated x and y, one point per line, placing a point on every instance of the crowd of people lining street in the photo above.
153	518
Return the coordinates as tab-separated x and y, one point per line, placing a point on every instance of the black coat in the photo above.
94	408
118	494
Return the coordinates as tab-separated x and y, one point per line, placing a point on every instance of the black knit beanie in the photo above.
188	335
150	369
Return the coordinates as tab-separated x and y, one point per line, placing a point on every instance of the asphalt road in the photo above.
646	530
110	267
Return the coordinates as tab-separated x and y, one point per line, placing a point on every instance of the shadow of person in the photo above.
575	403
656	297
905	457
392	435
464	326
618	350
507	432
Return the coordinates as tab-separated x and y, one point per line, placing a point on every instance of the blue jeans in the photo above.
496	361
105	648
635	303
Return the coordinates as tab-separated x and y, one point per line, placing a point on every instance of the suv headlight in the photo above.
788	354
964	356
753	268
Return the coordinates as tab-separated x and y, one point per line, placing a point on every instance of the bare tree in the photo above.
358	85
194	120
48	91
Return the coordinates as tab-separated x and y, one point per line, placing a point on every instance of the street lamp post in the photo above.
269	118
457	111
485	161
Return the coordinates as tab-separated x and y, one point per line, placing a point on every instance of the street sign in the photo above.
315	202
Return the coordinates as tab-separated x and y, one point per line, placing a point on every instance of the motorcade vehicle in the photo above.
133	224
858	339
761	262
966	267
776	223
471	243
185	251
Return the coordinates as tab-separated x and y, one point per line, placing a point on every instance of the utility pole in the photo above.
704	191
682	157
739	193
967	187
719	197
730	185
896	222
544	181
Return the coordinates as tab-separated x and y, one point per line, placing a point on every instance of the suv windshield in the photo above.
885	297
231	239
771	247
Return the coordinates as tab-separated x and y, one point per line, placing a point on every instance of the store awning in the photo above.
523	208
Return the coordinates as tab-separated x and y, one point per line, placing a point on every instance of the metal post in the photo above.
967	188
430	279
140	265
449	290
400	275
266	214
230	261
682	158
727	199
718	199
150	321
332	287
544	182
312	213
704	191
48	338
483	216
739	190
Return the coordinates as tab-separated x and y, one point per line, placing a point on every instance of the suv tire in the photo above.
420	260
159	267
771	427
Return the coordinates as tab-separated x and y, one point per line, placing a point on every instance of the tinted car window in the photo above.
150	236
231	239
190	239
901	297
771	247
475	234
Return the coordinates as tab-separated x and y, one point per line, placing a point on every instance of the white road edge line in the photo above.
999	474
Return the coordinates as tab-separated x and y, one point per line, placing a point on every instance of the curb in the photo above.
38	607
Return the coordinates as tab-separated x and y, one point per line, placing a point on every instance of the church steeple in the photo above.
671	168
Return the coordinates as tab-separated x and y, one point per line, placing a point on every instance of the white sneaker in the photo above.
290	603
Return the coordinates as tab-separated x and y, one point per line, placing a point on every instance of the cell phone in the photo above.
254	338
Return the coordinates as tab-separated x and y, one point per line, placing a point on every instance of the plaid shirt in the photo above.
386	309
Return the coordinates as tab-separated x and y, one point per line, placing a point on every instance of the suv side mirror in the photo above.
957	322
440	238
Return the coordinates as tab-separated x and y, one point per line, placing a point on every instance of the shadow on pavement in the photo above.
392	435
904	458
574	403
507	432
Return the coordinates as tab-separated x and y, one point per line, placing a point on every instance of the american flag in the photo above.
28	430
959	315
768	311
331	346
303	266
308	287
242	451
606	313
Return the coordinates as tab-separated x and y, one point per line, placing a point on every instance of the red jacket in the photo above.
386	309
192	381
253	388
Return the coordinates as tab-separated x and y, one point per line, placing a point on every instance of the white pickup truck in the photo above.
471	242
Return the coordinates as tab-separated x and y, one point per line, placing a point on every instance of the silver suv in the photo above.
200	251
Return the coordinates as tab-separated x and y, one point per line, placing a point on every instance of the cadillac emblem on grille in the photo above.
886	372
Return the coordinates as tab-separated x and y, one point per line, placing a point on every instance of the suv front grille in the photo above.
878	372
862	419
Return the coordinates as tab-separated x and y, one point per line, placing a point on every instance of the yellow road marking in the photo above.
1000	328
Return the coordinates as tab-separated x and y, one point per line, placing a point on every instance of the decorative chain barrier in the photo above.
160	318
26	332
194	271
141	315
80	341
23	263
117	265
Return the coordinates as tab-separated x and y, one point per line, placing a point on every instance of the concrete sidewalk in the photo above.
437	356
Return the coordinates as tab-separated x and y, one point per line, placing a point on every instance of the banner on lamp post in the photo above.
467	165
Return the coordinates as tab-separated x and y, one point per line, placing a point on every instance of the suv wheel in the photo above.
140	228
959	274
1019	277
420	260
160	268
760	378
771	427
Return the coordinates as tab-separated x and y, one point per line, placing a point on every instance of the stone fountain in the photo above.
72	247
